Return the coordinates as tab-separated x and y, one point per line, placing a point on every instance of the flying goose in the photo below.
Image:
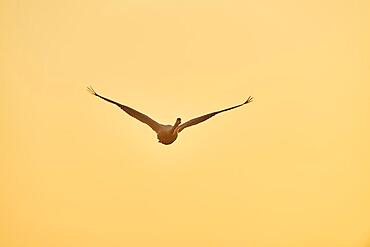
166	134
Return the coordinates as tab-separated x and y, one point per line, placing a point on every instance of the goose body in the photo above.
166	134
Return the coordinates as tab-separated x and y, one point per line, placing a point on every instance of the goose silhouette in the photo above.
166	134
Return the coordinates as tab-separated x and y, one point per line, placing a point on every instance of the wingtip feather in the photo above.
91	90
249	100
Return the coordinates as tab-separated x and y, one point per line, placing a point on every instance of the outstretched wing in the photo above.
132	112
200	119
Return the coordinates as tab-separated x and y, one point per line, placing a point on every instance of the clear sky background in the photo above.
291	169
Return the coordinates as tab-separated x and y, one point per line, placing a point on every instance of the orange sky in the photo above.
290	170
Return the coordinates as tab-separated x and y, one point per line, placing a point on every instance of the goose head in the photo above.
177	123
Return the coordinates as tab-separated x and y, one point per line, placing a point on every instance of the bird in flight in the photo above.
166	134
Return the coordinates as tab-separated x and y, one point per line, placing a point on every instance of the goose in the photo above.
166	134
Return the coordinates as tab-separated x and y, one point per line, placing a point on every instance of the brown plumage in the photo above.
166	134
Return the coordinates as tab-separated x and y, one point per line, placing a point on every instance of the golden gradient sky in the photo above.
291	170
